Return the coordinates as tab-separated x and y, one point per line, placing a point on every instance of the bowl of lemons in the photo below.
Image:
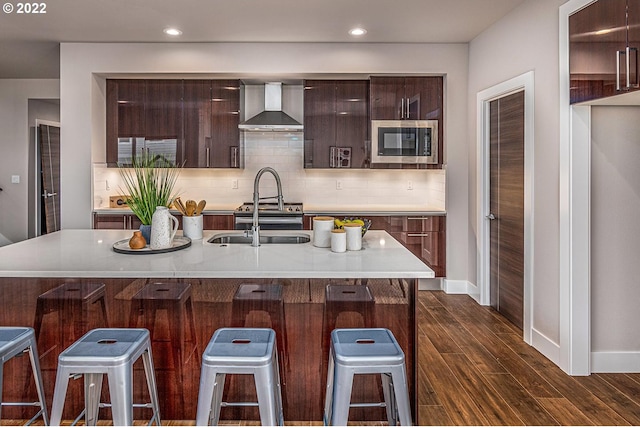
363	222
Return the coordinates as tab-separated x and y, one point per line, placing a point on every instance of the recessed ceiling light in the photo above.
172	32
357	31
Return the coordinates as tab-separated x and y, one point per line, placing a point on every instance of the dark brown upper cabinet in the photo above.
225	136
604	39
336	124
190	122
211	116
406	98
409	98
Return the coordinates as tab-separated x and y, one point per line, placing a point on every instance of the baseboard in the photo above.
615	362
429	284
545	346
453	286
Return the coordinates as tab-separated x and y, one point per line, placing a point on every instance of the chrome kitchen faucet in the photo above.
255	229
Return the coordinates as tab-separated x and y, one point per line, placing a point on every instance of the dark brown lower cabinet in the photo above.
130	221
424	236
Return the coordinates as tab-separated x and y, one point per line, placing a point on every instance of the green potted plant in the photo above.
149	183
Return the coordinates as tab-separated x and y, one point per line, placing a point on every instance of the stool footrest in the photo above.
36	403
239	404
381	404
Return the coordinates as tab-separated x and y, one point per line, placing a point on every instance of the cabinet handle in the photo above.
207	156
408	111
417	235
637	81
124	222
618	70
417	218
402	108
235	157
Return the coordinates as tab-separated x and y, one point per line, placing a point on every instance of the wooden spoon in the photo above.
191	207
200	207
180	206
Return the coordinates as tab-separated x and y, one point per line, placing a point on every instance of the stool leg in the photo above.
265	379
328	397
277	389
401	395
389	399
1	376
121	391
37	377
147	361
343	383
205	395
59	395
216	400
92	392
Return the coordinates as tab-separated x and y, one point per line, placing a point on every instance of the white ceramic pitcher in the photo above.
162	232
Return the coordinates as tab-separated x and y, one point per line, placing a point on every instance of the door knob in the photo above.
491	217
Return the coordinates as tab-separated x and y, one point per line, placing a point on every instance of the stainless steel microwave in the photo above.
404	141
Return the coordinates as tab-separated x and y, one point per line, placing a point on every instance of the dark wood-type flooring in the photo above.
474	369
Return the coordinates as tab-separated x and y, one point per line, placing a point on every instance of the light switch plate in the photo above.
15	179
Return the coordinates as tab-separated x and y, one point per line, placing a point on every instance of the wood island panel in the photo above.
303	372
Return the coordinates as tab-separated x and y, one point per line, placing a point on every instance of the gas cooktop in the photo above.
289	207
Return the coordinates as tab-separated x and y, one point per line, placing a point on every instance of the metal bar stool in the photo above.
110	351
240	351
175	299
73	303
342	298
15	341
366	351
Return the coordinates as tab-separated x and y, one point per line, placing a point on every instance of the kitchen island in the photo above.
213	272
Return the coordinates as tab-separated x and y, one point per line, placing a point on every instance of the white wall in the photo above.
526	39
615	237
14	146
85	66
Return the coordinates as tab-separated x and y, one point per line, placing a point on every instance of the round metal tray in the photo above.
179	242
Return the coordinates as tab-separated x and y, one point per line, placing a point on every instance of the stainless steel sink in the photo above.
232	238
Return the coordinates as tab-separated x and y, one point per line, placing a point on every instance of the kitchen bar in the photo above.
214	273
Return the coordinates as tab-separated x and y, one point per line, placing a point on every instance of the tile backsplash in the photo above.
229	188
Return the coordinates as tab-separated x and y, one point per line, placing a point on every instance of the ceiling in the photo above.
29	43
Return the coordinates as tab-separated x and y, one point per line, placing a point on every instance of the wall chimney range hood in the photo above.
272	118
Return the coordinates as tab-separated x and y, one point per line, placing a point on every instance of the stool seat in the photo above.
110	351
13	342
240	351
366	351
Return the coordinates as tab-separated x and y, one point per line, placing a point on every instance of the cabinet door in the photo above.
224	146
352	122
163	119
125	119
387	98
197	123
319	122
218	222
596	34
110	221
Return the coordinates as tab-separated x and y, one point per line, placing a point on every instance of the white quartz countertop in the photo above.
89	254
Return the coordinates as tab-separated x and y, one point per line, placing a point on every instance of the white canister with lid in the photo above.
338	241
354	236
322	227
